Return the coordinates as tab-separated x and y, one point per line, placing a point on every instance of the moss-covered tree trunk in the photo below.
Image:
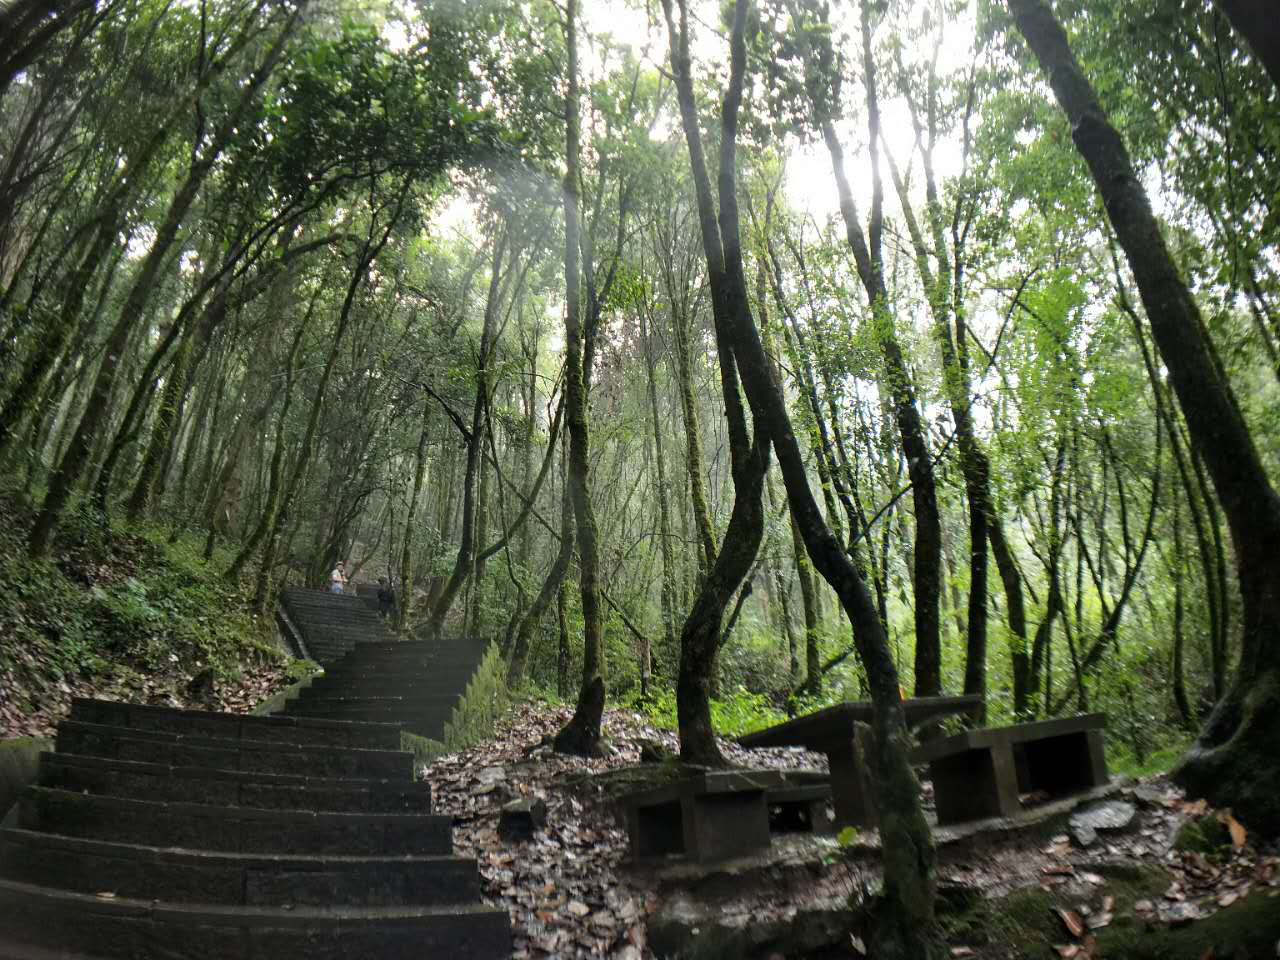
749	454
668	595
275	473
906	926
551	586
464	563
1234	762
581	735
405	607
76	459
680	322
868	255
175	387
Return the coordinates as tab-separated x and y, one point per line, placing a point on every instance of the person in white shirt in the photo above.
338	579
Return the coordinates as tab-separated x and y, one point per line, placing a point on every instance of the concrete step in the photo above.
435	651
389	686
338	699
455	672
203	826
79	926
125	743
397	647
227	726
424	724
196	876
266	791
394	713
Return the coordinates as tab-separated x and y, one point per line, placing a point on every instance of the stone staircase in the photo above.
414	685
329	625
158	833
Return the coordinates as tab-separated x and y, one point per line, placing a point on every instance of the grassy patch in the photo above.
1121	761
738	713
120	610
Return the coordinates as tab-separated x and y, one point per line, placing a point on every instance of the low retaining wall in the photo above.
19	760
474	717
275	703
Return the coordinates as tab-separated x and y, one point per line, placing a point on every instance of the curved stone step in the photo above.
227	726
126	743
196	876
266	791
201	826
35	918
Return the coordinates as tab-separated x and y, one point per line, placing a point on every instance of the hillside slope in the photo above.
122	614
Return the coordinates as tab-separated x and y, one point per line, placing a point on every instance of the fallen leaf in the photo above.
1067	950
1238	832
1228	898
962	951
1099	920
1071	920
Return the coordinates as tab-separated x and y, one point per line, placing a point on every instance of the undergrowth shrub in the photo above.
116	603
739	711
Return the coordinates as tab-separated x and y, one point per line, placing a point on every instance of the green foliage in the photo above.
114	603
739	713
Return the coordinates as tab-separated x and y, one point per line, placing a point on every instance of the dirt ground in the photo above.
1025	889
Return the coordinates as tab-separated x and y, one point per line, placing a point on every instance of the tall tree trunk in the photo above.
867	252
1234	761
905	927
552	587
405	608
581	735
464	563
668	595
749	455
175	387
76	458
276	473
1256	21
680	323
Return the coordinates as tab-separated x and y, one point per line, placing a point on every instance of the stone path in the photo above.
160	833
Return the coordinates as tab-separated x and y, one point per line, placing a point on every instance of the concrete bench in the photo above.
801	809
980	773
719	815
833	731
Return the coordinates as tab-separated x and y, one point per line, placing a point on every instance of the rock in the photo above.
1103	815
520	818
807	933
1205	835
653	752
1149	795
201	688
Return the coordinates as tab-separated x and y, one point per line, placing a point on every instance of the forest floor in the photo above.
122	615
1009	890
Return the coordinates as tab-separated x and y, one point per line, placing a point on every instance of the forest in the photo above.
729	359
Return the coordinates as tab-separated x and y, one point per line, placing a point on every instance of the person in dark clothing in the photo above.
386	597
